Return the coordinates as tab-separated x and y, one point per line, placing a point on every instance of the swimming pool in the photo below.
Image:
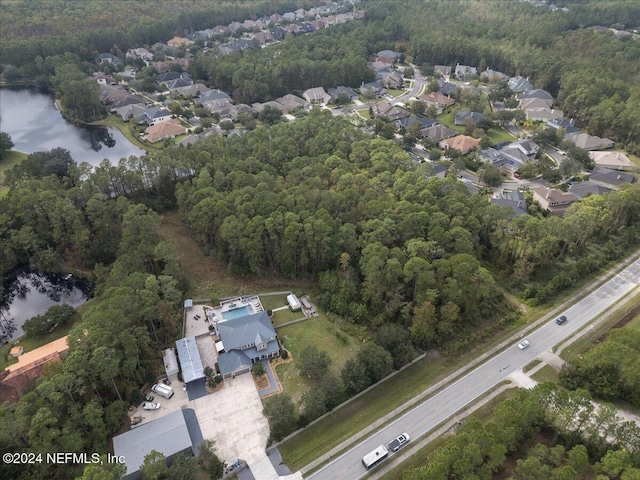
237	312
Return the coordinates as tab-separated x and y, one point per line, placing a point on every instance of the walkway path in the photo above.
274	384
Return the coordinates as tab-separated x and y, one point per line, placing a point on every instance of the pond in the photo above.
27	294
34	123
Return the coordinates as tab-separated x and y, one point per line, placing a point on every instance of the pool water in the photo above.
237	312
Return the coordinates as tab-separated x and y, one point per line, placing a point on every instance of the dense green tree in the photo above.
280	412
313	363
6	144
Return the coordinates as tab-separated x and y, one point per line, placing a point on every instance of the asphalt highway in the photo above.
447	402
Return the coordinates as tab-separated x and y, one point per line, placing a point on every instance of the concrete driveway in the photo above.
233	418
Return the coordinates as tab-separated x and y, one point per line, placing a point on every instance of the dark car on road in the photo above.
399	441
560	320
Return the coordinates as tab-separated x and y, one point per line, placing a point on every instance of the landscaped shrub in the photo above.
284	354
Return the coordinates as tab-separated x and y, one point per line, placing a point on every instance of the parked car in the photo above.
150	406
523	344
561	319
399	441
148	397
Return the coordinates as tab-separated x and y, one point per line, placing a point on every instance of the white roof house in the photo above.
190	361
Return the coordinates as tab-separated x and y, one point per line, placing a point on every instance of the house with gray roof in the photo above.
464	72
151	116
128	112
465	117
245	340
557	123
316	95
348	91
589	142
612	179
586	189
519	84
388	53
513	200
493	75
116	96
404	123
443	70
291	102
447	88
373	89
108	58
176	433
212	95
537	94
437	132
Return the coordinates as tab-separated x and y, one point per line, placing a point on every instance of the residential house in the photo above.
611	179
290	17
278	34
177	42
519	84
234	27
258	107
192	90
161	67
513	200
391	112
108	58
444	71
171	435
438	100
162	130
389	53
437	132
153	115
241	109
537	94
103	79
567	125
381	69
316	96
18	377
493	75
222	108
372	90
393	79
140	52
589	142
318	24
130	111
212	95
262	37
169	77
406	122
291	102
612	160
465	72
178	83
508	161
553	200
220	30
386	61
465	117
586	189
543	114
117	96
276	18
249	24
348	91
463	143
244	341
447	88
531	103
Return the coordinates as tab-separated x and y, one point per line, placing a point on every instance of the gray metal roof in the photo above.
190	361
240	332
168	435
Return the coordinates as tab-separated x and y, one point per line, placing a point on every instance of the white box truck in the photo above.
163	390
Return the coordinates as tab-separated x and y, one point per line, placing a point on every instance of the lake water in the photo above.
28	294
30	117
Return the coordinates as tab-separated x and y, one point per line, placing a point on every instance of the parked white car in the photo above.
150	406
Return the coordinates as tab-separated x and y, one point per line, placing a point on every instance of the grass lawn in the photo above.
284	316
395	93
419	459
13	159
499	134
448	119
546	374
364	113
531	365
210	277
319	332
269	302
128	131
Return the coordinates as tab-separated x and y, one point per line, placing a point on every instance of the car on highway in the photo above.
561	319
523	344
399	441
150	406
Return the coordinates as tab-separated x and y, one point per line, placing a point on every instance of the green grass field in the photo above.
13	159
127	130
318	332
269	302
284	316
546	374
